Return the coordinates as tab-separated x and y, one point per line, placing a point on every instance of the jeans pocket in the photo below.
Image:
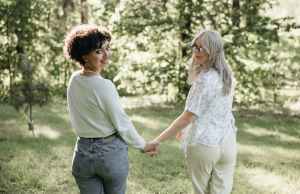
116	163
80	165
121	144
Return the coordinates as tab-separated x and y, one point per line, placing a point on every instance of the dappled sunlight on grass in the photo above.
13	128
146	101
7	112
272	158
53	120
46	131
46	168
269	156
136	188
275	132
10	122
149	123
265	180
268	159
269	153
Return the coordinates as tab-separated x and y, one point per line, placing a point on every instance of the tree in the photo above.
19	25
249	37
150	47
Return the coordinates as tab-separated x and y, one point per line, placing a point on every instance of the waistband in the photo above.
94	139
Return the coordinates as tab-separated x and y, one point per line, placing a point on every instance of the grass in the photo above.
268	159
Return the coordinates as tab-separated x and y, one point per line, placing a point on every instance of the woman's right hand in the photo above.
179	135
151	148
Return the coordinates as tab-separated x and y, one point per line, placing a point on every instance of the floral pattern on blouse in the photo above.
213	111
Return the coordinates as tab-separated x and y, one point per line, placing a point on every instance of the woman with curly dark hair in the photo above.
100	161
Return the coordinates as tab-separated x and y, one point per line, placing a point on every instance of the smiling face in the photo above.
200	56
97	59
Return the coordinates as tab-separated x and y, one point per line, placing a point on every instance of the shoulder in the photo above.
103	86
212	74
108	83
73	78
75	74
207	78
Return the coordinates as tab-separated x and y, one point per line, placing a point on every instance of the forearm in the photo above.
128	132
132	138
178	124
120	119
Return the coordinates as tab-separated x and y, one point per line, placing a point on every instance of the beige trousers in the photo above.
212	168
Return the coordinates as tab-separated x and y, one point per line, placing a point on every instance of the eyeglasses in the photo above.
197	49
102	50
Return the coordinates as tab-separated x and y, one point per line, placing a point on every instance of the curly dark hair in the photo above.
83	39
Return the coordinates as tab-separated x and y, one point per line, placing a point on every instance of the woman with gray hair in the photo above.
210	141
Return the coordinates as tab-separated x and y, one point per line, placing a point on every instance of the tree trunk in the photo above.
236	13
185	20
235	19
10	63
84	11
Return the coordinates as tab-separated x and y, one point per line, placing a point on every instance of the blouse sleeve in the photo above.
198	97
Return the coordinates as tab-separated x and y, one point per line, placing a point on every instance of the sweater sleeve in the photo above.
110	101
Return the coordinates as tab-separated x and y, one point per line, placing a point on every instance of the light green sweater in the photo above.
95	110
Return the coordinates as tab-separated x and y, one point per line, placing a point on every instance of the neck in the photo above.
205	67
89	72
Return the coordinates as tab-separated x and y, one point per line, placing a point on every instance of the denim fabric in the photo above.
100	166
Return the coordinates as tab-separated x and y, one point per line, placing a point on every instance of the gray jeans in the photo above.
100	166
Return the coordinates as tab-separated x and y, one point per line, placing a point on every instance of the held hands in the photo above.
151	148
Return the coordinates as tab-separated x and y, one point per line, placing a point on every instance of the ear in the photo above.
85	58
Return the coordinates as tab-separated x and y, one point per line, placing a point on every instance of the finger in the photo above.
148	149
152	153
179	136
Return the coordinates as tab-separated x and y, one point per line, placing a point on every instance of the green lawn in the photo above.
268	160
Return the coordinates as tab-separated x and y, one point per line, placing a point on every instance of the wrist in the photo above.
157	140
142	145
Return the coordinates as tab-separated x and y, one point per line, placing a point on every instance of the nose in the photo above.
103	53
107	52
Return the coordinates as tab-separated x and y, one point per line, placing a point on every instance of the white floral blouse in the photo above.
213	111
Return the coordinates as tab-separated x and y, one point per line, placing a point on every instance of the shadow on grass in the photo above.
25	163
269	130
242	185
271	161
284	123
157	175
21	152
247	138
165	171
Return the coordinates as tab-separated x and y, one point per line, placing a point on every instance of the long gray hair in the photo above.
212	44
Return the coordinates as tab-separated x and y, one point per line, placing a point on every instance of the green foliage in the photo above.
151	44
249	37
20	25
